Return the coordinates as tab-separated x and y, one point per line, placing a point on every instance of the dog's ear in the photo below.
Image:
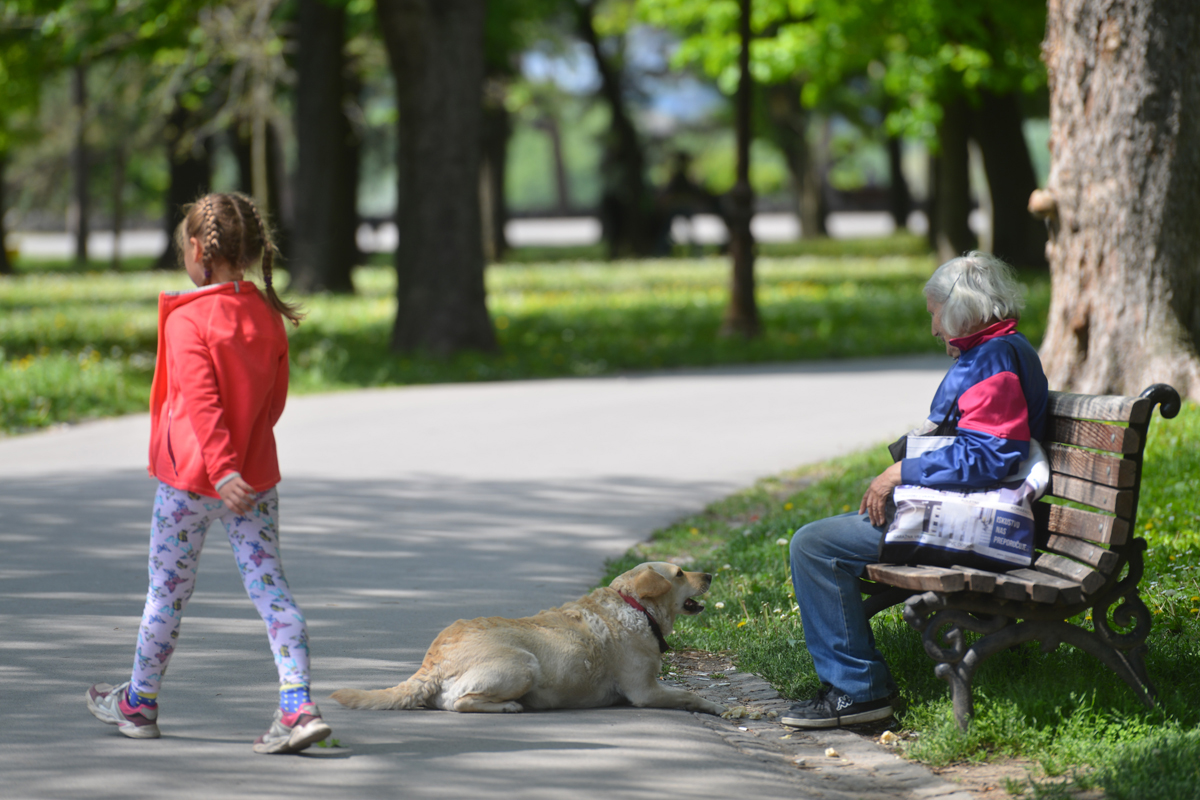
649	583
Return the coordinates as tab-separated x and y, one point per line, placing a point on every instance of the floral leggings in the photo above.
181	520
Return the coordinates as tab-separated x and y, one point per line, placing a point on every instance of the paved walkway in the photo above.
404	510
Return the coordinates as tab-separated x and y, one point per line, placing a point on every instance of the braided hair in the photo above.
230	227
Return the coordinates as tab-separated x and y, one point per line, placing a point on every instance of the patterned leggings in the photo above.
181	520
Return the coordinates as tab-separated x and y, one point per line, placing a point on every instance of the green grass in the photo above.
1064	710
76	345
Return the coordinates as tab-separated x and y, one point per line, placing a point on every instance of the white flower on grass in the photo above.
720	604
781	541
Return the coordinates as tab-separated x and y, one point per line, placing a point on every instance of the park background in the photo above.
694	171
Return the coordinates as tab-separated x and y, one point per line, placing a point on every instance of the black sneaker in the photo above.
832	709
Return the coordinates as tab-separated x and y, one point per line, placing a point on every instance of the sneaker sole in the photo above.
300	739
873	715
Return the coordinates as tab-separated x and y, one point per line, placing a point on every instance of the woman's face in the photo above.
935	312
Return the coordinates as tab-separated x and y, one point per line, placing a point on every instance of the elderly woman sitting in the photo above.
997	392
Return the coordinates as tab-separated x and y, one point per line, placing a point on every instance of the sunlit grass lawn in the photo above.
75	346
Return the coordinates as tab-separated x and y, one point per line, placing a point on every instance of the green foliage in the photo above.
920	52
1079	722
553	319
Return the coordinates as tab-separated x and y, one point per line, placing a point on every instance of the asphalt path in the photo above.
402	510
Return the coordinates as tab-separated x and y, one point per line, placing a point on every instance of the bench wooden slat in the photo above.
1081	574
1099	558
1096	435
1081	524
1118	472
1110	408
1105	498
924	579
1038	587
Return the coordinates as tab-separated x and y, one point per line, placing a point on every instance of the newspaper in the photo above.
993	528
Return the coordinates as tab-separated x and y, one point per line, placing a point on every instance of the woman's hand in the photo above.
237	495
874	502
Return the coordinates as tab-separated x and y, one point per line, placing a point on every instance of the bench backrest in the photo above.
1095	446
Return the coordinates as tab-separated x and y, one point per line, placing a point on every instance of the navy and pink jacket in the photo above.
1002	394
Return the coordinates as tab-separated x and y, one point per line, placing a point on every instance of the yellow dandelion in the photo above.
743	622
694	531
787	506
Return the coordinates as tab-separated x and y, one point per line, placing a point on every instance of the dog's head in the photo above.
664	589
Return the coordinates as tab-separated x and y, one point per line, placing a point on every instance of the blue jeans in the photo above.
828	557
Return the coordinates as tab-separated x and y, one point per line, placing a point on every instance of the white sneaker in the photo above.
108	704
291	733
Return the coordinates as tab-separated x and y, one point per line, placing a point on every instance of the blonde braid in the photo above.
268	249
212	235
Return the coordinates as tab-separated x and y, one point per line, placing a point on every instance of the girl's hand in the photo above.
874	502
237	495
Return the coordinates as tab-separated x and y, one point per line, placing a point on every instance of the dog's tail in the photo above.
413	693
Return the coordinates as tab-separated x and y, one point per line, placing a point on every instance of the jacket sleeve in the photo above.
200	396
993	438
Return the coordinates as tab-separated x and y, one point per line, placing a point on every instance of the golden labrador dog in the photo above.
601	650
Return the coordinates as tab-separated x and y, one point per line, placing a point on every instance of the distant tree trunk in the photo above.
627	206
1123	195
741	315
548	125
118	204
953	206
899	197
325	212
1017	236
497	129
789	122
80	209
436	51
190	169
6	267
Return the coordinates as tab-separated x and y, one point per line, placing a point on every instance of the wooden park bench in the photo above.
1088	558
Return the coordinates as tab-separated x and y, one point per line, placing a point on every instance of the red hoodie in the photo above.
220	384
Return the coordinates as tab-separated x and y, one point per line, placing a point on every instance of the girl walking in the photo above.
220	384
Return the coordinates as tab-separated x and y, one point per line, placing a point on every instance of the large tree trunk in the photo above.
952	205
436	51
628	215
190	174
741	315
80	209
1123	195
326	180
1017	236
789	122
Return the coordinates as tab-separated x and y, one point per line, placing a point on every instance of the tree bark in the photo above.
436	51
1123	195
741	316
953	193
190	176
80	210
1017	236
326	175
